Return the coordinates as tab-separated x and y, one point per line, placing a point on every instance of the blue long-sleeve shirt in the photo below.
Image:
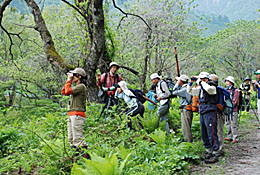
181	91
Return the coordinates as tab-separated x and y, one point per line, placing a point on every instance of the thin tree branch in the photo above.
130	69
2	9
75	8
126	14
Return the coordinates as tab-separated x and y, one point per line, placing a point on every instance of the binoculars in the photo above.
193	78
105	89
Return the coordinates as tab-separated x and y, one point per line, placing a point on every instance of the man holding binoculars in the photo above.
108	81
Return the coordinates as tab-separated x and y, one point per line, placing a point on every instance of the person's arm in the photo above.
78	89
101	80
192	90
120	78
179	91
117	95
235	97
189	88
211	90
166	93
67	90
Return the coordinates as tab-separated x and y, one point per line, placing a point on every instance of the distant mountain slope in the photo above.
233	9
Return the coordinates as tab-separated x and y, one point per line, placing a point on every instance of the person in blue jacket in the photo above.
150	95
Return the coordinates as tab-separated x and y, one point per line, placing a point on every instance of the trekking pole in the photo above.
148	99
176	59
108	105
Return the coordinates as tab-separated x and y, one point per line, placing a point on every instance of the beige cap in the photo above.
213	77
79	71
231	79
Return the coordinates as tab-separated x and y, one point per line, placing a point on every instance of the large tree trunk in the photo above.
97	49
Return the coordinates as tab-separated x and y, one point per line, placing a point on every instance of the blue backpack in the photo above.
225	103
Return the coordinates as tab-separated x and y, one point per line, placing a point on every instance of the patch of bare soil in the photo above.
242	158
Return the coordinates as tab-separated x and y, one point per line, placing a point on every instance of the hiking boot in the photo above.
235	141
220	153
227	139
212	159
207	155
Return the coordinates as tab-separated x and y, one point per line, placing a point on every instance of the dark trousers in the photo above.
208	123
135	111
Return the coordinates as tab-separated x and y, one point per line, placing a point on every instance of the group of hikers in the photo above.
216	105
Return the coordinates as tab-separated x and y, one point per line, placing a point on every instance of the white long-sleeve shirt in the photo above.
163	92
211	90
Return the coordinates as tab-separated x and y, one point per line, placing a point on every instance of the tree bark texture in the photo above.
148	48
97	49
48	44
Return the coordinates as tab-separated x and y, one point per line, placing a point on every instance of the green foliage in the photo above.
150	121
33	137
158	136
100	166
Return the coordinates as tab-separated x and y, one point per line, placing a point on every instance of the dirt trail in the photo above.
242	158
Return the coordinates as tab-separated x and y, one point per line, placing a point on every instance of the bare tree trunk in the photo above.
97	49
147	57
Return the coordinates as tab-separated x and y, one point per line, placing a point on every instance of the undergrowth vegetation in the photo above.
34	140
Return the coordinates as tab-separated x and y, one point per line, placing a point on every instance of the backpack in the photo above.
139	95
194	106
225	103
170	85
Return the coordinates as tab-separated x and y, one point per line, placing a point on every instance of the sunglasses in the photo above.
76	74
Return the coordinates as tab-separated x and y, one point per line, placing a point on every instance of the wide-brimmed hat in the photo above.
113	64
155	75
79	71
231	79
183	78
122	84
257	72
204	75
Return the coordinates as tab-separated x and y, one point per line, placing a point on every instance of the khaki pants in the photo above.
76	131
232	126
186	122
220	126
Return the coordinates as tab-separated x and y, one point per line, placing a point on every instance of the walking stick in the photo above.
176	59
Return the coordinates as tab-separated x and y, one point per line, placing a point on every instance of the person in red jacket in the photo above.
232	120
77	107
